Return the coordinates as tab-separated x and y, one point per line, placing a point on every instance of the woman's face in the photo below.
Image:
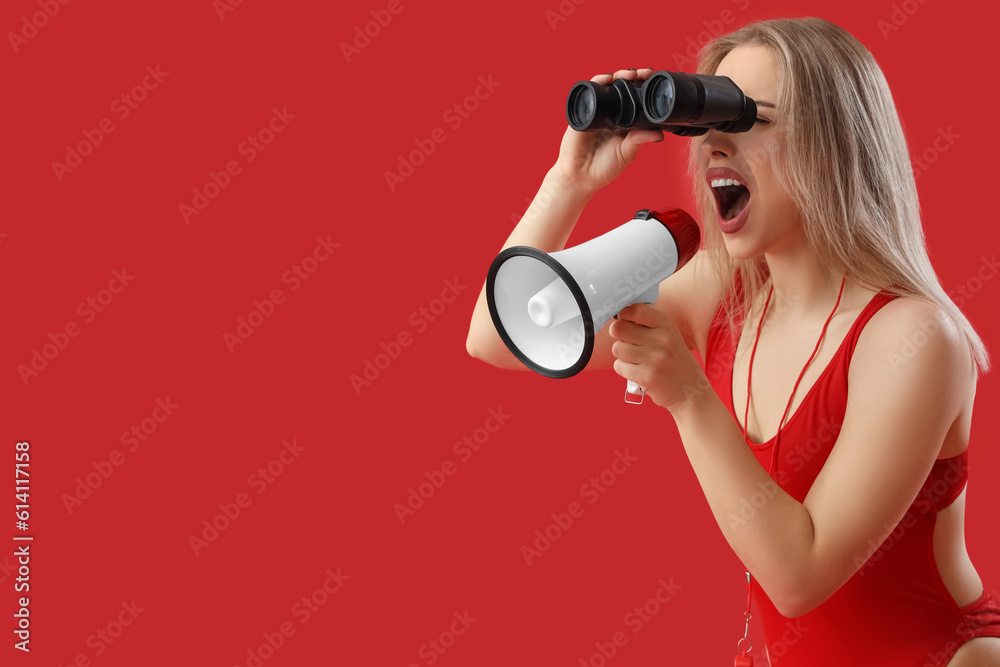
753	211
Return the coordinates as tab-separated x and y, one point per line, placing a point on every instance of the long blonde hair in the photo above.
845	164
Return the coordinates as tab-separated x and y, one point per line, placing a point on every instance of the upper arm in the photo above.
899	409
691	297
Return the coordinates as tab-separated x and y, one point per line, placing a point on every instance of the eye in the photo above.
764	121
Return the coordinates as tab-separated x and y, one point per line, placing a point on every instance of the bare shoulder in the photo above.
912	340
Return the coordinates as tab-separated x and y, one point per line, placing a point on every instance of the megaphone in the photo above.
548	307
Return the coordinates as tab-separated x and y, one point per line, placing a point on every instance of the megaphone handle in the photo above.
649	296
633	388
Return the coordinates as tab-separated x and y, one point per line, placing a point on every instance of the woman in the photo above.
814	278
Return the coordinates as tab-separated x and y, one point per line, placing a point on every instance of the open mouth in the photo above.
731	196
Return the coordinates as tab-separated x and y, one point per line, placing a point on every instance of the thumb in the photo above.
636	138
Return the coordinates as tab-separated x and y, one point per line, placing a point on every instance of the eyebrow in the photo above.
762	103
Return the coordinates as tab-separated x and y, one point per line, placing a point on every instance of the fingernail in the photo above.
632	68
611	73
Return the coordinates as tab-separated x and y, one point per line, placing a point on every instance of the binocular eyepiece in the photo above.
685	104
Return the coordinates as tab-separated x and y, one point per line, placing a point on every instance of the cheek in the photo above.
758	152
701	160
769	189
775	209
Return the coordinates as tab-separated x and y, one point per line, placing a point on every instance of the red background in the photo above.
323	176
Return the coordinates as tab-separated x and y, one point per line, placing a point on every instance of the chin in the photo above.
741	248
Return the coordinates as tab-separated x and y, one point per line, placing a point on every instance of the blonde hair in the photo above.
845	164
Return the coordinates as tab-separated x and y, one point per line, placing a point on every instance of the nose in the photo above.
715	144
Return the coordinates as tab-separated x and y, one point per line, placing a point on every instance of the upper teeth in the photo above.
719	182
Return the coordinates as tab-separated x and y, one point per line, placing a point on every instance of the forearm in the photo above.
771	532
546	225
552	214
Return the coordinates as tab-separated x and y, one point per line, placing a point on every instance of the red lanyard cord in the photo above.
777	436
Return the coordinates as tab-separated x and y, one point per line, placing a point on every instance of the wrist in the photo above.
565	182
697	401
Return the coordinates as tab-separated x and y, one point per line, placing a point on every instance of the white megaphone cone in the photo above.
547	307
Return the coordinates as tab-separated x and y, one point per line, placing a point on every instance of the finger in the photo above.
640	137
629	332
631	74
626	370
643	314
603	78
627	352
645	73
634	140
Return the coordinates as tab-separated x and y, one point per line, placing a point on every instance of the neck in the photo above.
804	287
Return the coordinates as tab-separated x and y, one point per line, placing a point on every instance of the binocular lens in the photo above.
582	105
661	97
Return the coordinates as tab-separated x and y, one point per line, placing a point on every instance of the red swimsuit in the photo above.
895	610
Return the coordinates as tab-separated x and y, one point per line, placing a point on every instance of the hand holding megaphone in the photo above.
647	345
548	307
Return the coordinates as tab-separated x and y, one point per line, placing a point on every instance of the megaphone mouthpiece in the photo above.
552	305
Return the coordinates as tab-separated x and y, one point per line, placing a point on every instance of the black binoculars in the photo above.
685	104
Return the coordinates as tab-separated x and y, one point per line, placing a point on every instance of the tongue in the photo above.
738	205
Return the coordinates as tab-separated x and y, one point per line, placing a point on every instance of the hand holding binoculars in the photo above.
684	104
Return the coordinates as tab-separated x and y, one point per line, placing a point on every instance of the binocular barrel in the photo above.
685	104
